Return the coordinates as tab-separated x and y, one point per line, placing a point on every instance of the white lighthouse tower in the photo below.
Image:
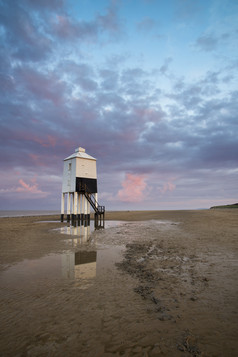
80	188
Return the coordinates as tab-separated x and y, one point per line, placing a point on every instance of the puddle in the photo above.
83	267
84	231
163	222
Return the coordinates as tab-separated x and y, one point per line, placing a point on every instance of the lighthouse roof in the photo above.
80	152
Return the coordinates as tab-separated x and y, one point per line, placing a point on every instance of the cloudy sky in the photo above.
148	87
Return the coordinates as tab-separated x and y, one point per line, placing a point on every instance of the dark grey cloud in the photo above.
146	24
110	20
68	29
172	138
39	85
25	35
164	68
207	43
79	74
110	79
43	4
188	11
31	29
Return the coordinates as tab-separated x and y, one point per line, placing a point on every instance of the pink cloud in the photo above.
149	114
64	27
29	190
49	141
169	186
24	187
45	141
133	188
38	161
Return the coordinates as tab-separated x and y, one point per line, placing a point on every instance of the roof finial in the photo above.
79	149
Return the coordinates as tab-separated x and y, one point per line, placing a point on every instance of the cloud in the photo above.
45	86
79	74
70	28
133	188
146	24
31	30
20	28
41	5
24	187
110	79
207	43
49	141
168	187
188	11
30	190
164	68
67	28
110	21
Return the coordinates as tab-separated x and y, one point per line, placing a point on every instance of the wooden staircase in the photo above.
94	204
99	210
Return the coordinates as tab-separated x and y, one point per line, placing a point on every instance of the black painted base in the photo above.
98	221
84	219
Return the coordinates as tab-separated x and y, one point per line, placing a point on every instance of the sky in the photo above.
148	87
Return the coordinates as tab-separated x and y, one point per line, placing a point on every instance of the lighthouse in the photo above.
79	189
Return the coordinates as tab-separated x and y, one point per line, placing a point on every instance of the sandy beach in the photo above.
159	283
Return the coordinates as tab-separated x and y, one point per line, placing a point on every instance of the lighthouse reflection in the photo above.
80	265
80	232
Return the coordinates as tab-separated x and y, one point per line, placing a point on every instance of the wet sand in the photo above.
164	283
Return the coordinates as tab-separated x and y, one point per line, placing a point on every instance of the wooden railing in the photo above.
92	200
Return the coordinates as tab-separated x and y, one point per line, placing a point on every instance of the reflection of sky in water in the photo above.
85	230
82	266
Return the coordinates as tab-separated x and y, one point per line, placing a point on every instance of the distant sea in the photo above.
22	213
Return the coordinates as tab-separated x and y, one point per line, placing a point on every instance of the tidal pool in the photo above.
82	266
84	231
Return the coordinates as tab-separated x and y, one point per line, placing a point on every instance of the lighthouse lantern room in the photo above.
80	188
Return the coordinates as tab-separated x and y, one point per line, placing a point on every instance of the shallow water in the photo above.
81	266
85	229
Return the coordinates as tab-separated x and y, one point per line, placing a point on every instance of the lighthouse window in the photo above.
70	166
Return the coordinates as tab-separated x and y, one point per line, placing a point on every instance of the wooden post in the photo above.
88	212
72	207
62	207
82	214
85	208
78	213
75	202
68	207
